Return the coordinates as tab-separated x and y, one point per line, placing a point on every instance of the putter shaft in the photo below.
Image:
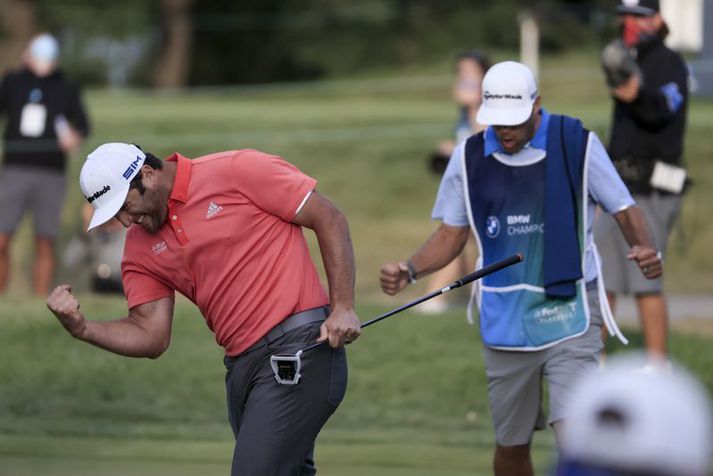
482	272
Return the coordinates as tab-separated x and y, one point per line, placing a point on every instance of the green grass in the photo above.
82	457
416	402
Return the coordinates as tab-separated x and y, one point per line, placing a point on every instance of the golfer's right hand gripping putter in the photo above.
287	367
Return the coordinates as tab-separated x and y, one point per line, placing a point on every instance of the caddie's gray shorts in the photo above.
36	189
622	276
515	380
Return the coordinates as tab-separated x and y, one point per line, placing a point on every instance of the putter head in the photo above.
286	368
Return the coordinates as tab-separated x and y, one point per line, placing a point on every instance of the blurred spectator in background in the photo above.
106	247
649	85
101	250
45	122
634	419
470	67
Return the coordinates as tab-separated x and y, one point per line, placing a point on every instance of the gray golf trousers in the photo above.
275	425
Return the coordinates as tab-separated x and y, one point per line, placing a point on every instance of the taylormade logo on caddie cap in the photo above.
105	178
488	96
509	93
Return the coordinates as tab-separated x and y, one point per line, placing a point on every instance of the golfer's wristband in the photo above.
411	272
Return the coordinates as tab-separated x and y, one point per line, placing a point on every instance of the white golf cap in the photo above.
509	92
105	178
635	417
44	48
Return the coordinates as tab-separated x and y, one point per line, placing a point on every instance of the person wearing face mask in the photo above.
46	122
530	183
650	95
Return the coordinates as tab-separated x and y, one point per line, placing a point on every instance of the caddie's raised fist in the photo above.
648	259
65	306
393	277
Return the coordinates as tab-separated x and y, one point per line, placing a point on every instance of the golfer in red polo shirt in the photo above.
225	230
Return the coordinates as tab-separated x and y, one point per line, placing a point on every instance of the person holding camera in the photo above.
648	84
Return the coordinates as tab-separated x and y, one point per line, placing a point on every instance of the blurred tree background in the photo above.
177	43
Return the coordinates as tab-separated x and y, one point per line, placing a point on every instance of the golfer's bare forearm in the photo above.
335	244
440	249
124	337
634	227
337	251
145	332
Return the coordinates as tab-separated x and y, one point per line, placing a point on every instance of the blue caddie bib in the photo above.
507	214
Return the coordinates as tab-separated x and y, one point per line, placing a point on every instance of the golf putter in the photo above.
287	367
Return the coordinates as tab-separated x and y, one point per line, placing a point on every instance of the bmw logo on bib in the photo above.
492	226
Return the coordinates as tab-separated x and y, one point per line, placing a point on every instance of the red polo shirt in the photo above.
228	246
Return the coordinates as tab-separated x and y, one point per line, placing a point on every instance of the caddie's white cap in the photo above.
105	178
509	93
638	418
44	48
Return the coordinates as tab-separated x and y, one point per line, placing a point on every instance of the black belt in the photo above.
317	314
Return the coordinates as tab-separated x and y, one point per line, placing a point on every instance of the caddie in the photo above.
225	230
530	183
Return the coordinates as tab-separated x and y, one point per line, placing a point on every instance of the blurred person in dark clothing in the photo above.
650	104
46	121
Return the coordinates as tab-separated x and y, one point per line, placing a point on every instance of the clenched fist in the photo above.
648	259
65	306
393	277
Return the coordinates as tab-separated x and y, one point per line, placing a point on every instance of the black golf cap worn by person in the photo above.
638	7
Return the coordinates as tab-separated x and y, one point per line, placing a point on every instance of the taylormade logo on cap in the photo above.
105	178
487	95
99	193
509	93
